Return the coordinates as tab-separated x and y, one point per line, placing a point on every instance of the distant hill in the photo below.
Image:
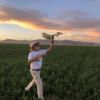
57	42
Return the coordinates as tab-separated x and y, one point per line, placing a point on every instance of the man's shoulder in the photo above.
32	52
43	51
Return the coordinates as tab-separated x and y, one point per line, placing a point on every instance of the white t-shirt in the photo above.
36	64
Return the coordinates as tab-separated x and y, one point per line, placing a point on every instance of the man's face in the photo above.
36	47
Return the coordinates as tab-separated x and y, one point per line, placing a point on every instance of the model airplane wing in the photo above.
47	36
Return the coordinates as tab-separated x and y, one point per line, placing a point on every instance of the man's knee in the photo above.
39	81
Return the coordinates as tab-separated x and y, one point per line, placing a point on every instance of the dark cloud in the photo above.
20	15
84	23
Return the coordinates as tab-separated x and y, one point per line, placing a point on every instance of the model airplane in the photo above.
49	36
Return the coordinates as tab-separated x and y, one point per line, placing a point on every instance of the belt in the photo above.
36	69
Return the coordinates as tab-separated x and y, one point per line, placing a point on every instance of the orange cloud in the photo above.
94	34
22	24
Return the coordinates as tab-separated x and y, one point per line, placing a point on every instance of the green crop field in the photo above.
69	73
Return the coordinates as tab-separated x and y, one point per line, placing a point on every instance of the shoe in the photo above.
27	88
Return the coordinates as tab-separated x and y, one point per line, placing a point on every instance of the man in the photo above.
35	59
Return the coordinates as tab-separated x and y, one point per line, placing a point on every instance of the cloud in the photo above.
70	14
8	14
72	21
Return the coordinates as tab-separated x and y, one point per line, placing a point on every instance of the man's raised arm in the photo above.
51	45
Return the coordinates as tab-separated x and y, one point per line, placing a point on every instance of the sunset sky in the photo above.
27	19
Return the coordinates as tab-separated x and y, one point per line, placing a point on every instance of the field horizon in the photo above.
46	42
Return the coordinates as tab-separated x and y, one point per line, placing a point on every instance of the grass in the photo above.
68	73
